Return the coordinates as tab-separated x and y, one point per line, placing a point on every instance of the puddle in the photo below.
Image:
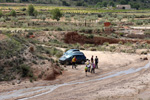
49	89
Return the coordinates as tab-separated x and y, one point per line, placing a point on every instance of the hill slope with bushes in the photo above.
22	58
138	4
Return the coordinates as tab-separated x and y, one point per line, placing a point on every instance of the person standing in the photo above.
92	59
86	69
74	62
96	62
93	68
88	65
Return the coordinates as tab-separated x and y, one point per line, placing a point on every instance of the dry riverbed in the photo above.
119	76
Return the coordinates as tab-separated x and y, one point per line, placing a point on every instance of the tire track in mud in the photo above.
24	94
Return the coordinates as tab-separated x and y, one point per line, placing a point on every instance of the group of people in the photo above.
91	65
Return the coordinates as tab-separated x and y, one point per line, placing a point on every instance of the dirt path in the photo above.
120	76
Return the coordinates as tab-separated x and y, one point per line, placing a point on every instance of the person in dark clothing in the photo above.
96	62
92	59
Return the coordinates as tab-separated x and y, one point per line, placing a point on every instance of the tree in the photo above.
111	4
56	14
64	3
13	13
137	6
31	10
123	2
99	4
104	4
79	3
35	12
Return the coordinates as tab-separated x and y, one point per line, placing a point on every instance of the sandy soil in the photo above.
119	76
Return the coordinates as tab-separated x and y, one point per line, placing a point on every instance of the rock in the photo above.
145	58
13	83
18	81
142	51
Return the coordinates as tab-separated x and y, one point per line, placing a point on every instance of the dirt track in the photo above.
120	76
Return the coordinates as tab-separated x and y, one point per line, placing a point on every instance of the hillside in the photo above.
138	4
22	57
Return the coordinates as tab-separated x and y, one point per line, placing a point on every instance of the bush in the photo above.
59	54
120	42
56	14
30	33
26	71
35	12
2	19
147	32
34	62
31	11
45	29
1	14
23	9
106	43
59	29
93	49
13	13
128	44
53	51
90	36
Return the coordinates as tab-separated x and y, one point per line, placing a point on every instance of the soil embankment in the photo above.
74	37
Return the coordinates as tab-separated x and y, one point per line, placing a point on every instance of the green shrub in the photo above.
35	13
41	57
45	29
128	44
59	54
13	13
56	14
2	19
31	11
30	33
100	48
23	9
93	49
112	47
34	62
147	32
106	43
26	70
1	14
121	34
91	36
53	51
31	80
64	46
120	42
82	48
59	29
